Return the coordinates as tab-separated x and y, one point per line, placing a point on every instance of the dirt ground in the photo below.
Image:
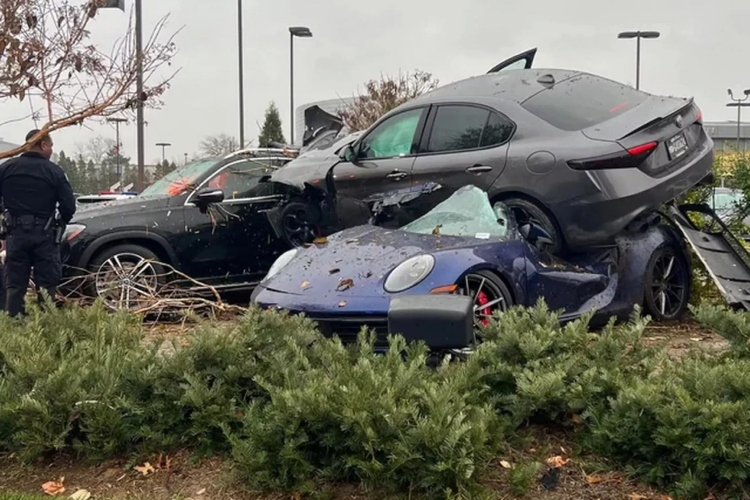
561	475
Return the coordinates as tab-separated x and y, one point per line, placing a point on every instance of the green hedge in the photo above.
296	410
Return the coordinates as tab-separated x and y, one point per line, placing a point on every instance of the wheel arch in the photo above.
516	293
154	242
504	195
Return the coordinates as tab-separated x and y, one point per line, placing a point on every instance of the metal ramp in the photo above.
724	257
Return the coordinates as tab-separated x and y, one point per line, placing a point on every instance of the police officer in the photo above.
31	187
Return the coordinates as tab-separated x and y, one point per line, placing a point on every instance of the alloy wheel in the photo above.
126	281
486	295
297	227
669	284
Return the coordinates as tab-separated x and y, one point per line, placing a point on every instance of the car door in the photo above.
463	144
384	156
232	242
524	60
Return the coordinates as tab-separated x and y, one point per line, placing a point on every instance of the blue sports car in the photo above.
440	277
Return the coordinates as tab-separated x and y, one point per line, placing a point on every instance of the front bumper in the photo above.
441	321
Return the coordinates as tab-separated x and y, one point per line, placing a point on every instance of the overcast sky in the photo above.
701	53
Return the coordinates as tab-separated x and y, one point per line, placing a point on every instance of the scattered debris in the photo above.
557	461
305	284
54	488
201	491
505	464
436	231
344	284
81	495
342	303
145	469
334	270
321	240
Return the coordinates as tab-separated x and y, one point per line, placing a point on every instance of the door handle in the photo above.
396	175
478	169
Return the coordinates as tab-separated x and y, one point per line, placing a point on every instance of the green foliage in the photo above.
523	476
537	369
298	411
342	413
271	130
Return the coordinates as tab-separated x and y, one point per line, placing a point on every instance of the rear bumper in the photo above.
440	321
626	194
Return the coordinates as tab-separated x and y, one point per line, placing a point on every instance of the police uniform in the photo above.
32	187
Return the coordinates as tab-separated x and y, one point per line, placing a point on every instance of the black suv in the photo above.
206	220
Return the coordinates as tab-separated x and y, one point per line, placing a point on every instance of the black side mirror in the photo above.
536	235
207	196
347	153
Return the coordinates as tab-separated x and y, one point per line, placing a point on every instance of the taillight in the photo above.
699	116
630	158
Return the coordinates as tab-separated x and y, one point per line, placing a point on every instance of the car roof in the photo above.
513	85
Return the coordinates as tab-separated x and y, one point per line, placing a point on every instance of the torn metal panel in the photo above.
724	257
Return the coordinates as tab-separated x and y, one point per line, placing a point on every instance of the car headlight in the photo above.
72	231
284	259
409	273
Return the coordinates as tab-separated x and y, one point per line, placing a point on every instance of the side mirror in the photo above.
347	153
536	235
207	196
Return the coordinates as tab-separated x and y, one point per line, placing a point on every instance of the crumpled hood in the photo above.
363	254
311	167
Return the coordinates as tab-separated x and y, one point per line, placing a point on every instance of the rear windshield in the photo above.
583	101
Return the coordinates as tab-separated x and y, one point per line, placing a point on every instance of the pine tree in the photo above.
271	130
163	169
71	170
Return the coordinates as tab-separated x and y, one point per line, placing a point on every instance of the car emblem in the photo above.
678	121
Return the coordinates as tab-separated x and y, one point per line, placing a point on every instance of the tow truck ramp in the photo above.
722	254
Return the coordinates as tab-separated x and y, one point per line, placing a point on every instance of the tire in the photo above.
144	279
299	223
539	216
665	298
491	289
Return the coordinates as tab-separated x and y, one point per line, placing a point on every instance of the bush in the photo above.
355	415
296	410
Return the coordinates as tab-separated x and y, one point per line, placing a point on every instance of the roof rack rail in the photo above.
256	151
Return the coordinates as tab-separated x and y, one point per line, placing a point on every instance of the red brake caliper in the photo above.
481	300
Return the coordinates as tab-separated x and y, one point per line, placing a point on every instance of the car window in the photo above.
393	137
242	180
583	101
458	128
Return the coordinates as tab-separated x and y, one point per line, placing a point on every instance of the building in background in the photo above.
333	106
724	135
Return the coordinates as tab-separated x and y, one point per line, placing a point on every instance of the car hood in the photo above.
363	254
311	167
118	207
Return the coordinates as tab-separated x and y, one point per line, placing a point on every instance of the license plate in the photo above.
677	146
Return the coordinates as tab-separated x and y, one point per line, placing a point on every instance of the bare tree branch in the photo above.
381	96
46	56
219	145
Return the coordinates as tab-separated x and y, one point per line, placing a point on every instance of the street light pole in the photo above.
241	71
638	35
120	4
301	32
739	103
140	132
117	122
163	146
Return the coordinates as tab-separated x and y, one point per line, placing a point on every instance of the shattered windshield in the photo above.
181	179
467	213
